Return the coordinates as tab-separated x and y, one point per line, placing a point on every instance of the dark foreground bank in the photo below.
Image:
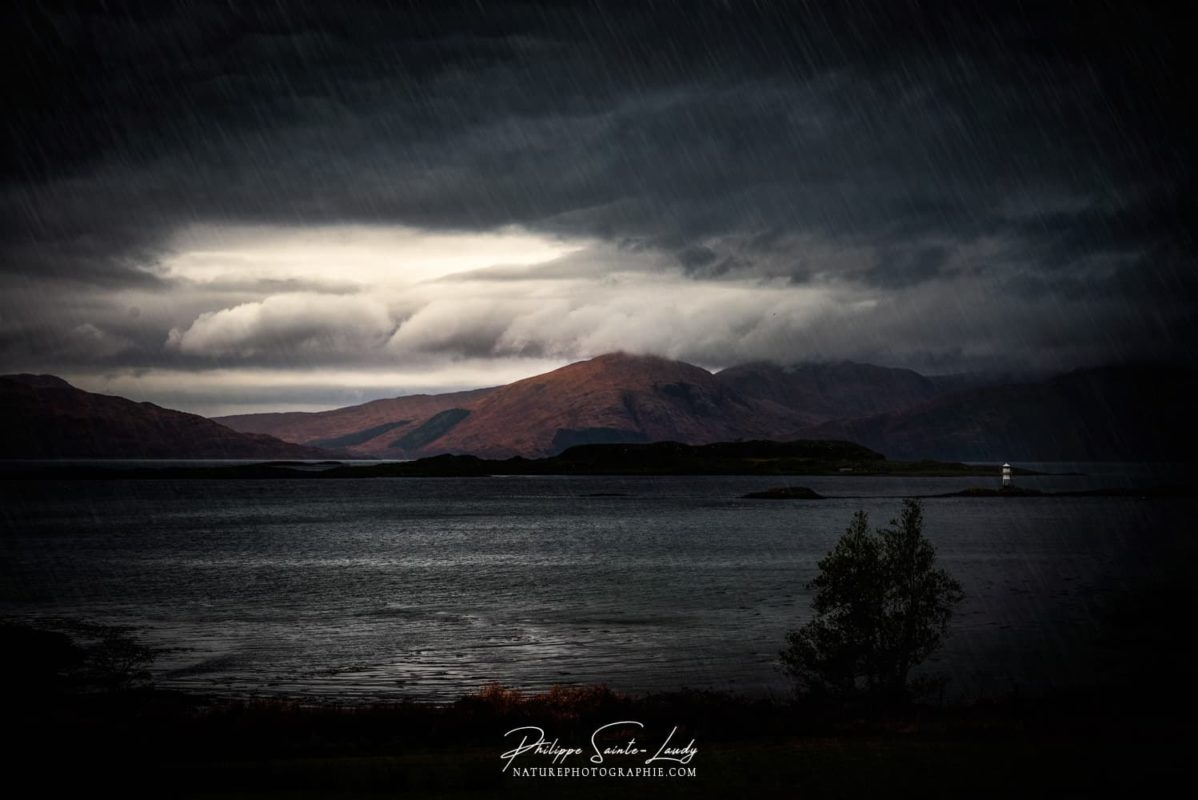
155	744
84	722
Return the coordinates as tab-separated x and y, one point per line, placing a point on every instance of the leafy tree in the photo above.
881	607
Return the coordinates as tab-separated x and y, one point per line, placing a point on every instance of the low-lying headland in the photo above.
803	457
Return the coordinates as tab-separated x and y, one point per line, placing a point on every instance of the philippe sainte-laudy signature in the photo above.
606	742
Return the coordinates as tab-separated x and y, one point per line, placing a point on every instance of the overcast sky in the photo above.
299	206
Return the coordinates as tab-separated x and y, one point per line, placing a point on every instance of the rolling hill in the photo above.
612	398
42	416
609	399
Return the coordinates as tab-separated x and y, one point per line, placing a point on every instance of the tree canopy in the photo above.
881	607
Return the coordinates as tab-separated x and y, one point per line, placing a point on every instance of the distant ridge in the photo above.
833	390
42	416
367	429
1128	413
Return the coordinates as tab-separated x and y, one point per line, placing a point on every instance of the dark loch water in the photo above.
429	588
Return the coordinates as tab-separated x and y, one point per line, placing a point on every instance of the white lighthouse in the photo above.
1006	475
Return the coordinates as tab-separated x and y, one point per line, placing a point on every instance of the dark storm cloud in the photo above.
908	268
890	146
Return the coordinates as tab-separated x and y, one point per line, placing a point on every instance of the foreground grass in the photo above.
151	744
800	768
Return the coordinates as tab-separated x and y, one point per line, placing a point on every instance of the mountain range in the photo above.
1113	413
1129	413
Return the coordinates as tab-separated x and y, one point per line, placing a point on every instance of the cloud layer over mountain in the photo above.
197	196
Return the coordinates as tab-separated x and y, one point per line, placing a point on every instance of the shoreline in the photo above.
800	457
470	467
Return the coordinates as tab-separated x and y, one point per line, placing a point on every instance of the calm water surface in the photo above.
428	588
